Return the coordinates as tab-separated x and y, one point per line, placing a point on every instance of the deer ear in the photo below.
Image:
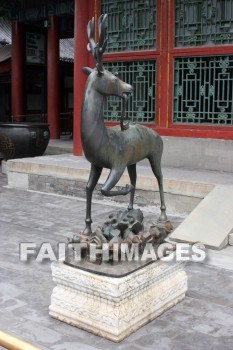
100	69
87	70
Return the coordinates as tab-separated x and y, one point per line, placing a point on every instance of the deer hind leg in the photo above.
93	179
113	178
155	162
133	178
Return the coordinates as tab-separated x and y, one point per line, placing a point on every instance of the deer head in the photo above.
102	80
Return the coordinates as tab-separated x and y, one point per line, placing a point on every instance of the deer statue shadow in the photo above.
113	148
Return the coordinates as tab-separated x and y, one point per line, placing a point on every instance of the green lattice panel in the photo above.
141	105
203	22
203	90
131	24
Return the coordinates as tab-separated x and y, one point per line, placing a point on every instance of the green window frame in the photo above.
203	22
141	105
131	27
203	90
131	24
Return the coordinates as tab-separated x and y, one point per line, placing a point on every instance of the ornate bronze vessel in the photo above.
21	140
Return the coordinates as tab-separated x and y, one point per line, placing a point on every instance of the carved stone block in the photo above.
112	307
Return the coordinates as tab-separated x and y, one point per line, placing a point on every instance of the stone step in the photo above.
67	175
200	154
210	222
60	146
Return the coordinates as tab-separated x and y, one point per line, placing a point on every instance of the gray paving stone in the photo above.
204	320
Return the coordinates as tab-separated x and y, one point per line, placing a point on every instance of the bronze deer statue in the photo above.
113	148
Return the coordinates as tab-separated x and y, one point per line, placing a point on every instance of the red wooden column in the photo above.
81	59
17	55
53	78
165	60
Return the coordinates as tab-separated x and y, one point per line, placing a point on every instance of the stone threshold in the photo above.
67	175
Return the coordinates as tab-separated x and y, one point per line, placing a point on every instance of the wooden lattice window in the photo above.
131	29
203	90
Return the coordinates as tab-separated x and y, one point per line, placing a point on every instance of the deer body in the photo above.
113	148
100	143
135	144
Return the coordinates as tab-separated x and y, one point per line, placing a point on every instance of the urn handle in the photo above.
33	135
46	134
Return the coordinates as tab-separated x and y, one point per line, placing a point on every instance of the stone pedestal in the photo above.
114	307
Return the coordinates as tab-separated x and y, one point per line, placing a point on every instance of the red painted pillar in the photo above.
164	65
81	59
53	78
17	55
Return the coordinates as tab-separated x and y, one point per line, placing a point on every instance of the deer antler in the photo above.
97	49
90	34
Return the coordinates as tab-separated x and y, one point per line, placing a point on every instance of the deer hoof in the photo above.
87	231
163	218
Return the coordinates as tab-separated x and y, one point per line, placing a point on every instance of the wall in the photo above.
197	153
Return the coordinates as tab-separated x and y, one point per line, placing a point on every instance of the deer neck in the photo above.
92	121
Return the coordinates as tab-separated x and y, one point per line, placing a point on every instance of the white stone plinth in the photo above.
113	307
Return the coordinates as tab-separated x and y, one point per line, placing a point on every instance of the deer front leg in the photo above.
93	179
155	162
111	181
163	215
133	178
